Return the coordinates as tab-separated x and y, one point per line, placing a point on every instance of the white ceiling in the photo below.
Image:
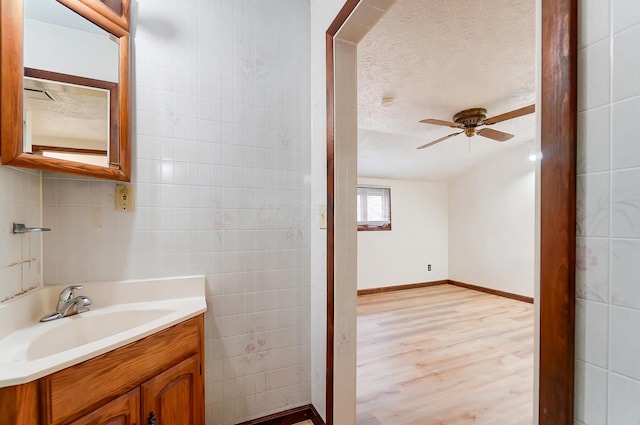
436	58
55	13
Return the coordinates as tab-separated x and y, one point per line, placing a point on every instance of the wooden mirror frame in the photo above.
558	111
11	89
117	11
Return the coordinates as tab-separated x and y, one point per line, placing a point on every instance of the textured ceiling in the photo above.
435	58
78	118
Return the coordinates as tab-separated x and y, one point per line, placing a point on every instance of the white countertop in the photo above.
120	313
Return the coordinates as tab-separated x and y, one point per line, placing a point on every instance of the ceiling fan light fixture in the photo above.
469	120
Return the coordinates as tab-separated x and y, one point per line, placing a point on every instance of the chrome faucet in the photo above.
69	304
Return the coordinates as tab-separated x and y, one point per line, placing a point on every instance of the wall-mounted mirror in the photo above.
65	86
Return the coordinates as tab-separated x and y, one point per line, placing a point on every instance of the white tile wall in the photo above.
608	246
591	405
625	14
626	64
593	204
625	154
20	255
594	129
625	273
625	208
594	22
592	330
624	394
625	341
221	173
593	85
592	269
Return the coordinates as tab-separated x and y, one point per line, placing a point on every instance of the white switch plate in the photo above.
125	200
323	216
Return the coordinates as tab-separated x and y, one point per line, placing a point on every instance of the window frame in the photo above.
371	226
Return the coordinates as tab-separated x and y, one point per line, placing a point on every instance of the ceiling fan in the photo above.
470	119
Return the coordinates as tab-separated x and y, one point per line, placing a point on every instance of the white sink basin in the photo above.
85	328
120	313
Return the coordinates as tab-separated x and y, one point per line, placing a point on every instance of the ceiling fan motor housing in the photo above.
470	119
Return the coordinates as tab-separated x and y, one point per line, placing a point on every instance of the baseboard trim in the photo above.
370	291
289	417
492	291
497	292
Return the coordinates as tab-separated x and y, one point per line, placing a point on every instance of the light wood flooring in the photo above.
444	355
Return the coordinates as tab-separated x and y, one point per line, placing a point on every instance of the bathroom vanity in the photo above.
159	376
150	372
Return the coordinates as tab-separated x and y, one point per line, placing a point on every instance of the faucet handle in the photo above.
67	293
81	303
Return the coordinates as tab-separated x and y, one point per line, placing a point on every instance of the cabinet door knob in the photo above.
151	418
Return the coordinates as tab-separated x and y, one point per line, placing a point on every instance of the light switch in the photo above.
323	216
124	198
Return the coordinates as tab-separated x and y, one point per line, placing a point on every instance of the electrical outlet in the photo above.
124	198
429	267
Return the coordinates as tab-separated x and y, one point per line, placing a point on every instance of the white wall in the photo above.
418	237
70	51
322	14
608	195
221	170
345	236
491	224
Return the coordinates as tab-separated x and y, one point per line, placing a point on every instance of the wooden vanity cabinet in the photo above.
170	397
159	378
124	410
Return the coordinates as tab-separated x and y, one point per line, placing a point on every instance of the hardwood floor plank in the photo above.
444	355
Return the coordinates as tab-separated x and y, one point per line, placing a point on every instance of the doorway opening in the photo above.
451	143
556	242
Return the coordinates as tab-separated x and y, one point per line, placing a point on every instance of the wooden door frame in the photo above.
557	109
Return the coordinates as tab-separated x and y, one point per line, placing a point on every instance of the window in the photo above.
374	208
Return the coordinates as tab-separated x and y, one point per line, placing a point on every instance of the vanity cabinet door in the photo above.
124	410
174	397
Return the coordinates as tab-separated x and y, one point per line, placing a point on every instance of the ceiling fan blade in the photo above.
500	136
512	114
441	122
439	140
